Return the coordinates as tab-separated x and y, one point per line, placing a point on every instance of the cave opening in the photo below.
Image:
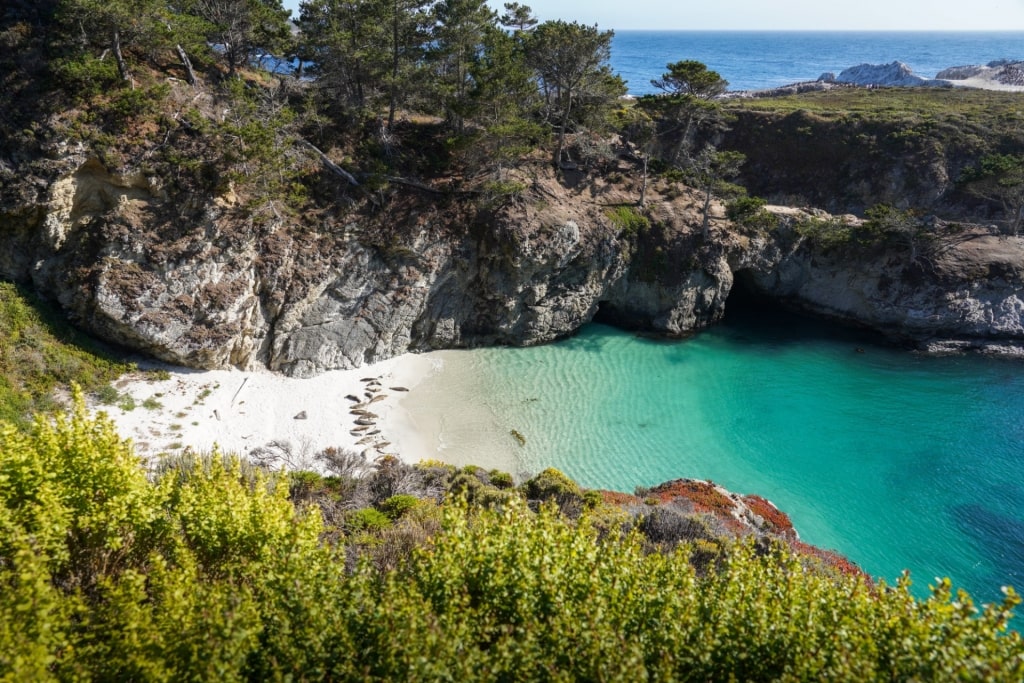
754	314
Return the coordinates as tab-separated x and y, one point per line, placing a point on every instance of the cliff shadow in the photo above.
751	317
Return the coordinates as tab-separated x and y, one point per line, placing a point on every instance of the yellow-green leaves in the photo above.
210	573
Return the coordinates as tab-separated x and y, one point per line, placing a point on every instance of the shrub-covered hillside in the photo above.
211	571
41	354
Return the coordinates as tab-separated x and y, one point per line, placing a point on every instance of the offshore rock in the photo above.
896	74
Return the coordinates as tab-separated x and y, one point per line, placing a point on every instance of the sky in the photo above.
868	15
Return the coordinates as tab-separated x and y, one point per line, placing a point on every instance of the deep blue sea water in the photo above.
756	59
897	460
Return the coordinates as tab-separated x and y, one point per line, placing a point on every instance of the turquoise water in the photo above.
894	459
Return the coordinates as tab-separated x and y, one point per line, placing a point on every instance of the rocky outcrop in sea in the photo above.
1003	72
895	74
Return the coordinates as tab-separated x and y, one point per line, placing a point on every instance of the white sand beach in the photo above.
262	413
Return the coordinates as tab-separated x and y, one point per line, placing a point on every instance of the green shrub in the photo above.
749	212
628	220
107	395
396	506
551	484
744	207
39	352
131	103
208	572
825	232
501	480
366	519
86	76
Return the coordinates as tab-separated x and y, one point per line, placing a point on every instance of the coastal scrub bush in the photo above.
366	519
107	395
669	527
207	571
501	480
628	220
749	212
396	506
828	233
551	484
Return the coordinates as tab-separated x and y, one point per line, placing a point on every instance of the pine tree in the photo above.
571	61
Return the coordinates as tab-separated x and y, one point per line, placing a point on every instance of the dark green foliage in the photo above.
692	78
366	519
826	232
553	486
396	506
749	212
999	178
501	480
518	17
744	207
243	28
128	105
85	76
571	61
900	227
457	42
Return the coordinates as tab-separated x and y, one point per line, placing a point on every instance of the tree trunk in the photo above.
561	130
705	226
330	165
122	67
190	75
395	67
643	186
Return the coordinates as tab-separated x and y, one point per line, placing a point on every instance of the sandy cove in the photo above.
263	415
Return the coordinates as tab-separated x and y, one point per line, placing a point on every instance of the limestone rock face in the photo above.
195	281
966	295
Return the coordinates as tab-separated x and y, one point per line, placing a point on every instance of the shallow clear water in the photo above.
894	459
767	59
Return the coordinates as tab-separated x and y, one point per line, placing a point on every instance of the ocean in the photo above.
752	60
897	460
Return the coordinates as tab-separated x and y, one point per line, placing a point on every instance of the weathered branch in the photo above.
330	165
122	66
413	183
190	75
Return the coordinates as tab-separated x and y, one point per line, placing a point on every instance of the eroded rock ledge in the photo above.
192	281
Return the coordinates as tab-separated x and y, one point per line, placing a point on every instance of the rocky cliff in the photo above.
965	292
200	285
846	150
196	282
